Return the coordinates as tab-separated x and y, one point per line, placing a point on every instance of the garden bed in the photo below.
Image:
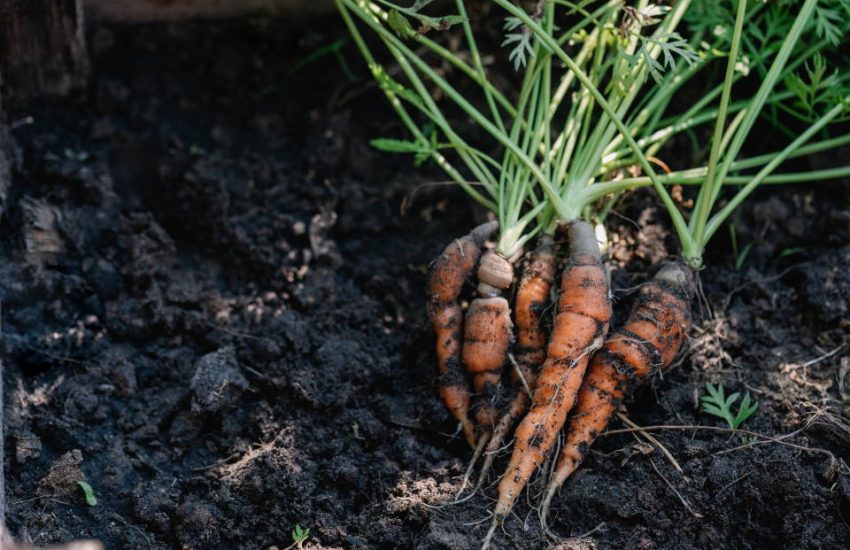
213	310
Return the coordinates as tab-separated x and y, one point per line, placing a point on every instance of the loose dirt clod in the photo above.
825	286
217	381
42	241
27	446
198	524
63	475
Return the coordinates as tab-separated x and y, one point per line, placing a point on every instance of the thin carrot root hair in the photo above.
584	310
451	269
648	342
479	448
515	408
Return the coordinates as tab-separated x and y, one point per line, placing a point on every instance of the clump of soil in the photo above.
214	315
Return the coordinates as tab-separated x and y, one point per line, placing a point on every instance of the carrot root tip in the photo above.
544	509
469	432
479	448
497	521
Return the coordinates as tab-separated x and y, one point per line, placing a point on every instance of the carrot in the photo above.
445	283
532	297
584	309
487	337
488	333
531	300
649	341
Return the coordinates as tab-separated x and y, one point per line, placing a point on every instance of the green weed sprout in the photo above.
88	492
717	404
300	536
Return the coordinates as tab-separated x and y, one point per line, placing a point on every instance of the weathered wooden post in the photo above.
42	47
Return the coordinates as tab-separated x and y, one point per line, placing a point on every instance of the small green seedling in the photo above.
423	150
335	49
716	403
300	536
91	500
791	251
740	255
77	156
196	150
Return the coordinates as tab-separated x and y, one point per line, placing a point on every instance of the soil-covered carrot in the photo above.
532	298
488	333
488	336
448	275
584	309
649	341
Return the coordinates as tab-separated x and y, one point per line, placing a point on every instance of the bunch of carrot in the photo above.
578	370
563	140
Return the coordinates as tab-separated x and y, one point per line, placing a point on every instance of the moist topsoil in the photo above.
213	314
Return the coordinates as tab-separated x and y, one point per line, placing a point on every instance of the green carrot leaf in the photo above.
716	403
827	21
520	36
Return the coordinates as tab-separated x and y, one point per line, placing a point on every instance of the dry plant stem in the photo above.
584	310
684	502
532	298
450	271
652	441
649	341
764	439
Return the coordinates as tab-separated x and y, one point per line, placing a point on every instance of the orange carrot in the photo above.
446	281
584	309
532	298
488	333
649	341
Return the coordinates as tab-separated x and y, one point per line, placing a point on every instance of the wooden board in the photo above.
159	10
42	47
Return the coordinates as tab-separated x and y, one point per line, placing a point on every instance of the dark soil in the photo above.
213	312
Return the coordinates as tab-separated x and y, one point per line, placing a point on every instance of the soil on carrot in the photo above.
214	314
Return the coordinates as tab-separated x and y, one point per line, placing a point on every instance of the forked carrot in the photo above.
649	341
584	309
445	283
532	298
